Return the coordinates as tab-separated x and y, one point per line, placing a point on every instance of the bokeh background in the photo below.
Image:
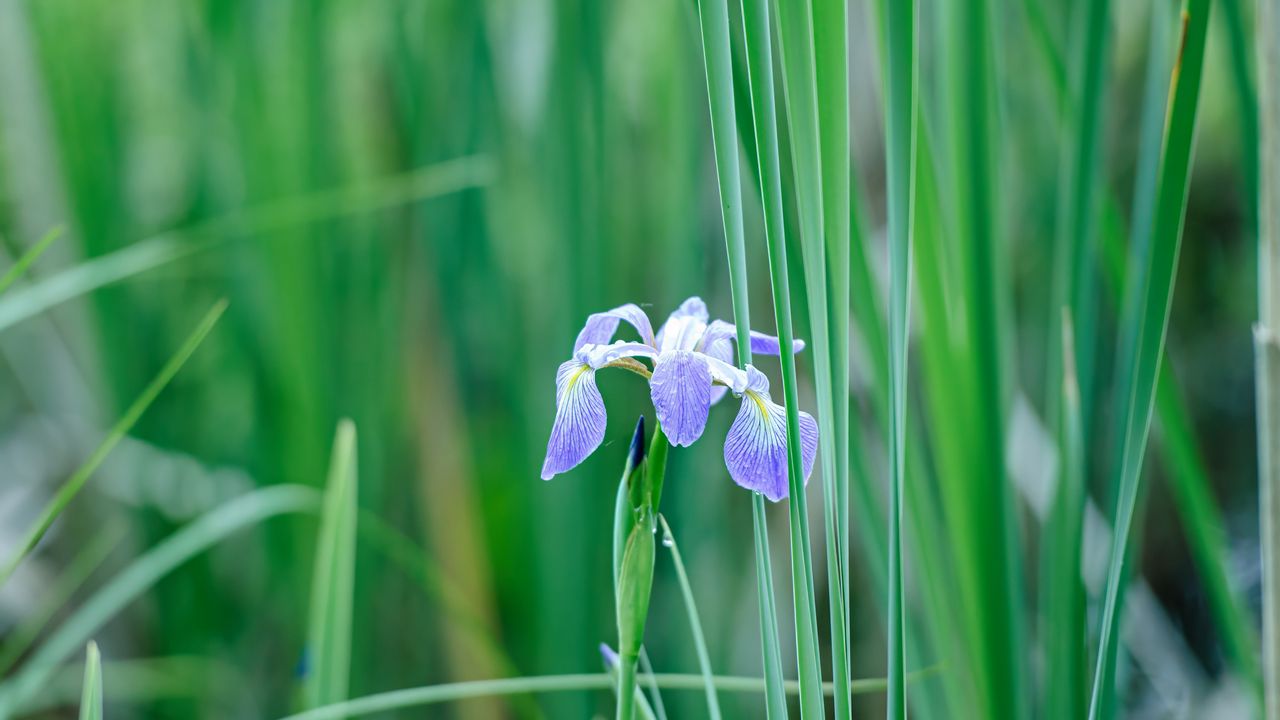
411	206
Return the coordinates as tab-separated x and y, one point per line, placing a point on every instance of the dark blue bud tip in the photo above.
637	444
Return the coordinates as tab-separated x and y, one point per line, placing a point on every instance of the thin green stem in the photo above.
695	624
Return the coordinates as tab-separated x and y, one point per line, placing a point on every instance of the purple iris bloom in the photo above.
692	369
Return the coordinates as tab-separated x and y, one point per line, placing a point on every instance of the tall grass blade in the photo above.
333	579
73	485
1267	348
810	163
1152	322
900	160
831	56
91	695
695	624
193	539
987	540
756	22
28	258
713	18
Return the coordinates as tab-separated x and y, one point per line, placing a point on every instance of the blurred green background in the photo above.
411	206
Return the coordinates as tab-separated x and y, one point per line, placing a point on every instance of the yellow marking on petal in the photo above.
573	380
760	403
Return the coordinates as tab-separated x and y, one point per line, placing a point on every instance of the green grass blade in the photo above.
90	557
899	159
193	539
831	56
810	160
1152	322
1069	376
28	258
91	696
987	545
717	52
763	99
73	485
775	702
165	248
1266	348
695	624
333	580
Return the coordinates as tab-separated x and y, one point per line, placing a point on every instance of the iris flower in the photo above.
692	369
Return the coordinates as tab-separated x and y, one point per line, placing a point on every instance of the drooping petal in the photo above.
600	327
755	451
719	331
721	350
597	356
681	392
684	327
580	419
762	344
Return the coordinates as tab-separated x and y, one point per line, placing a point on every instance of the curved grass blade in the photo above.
1152	323
164	248
333	580
29	258
1266	347
89	558
900	160
695	624
760	73
713	18
435	694
193	539
91	696
73	485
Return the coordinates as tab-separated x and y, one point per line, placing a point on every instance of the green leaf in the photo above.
333	580
91	695
1142	366
76	482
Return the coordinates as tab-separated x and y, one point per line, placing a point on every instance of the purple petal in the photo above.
681	392
693	307
755	450
721	350
580	419
762	344
600	327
